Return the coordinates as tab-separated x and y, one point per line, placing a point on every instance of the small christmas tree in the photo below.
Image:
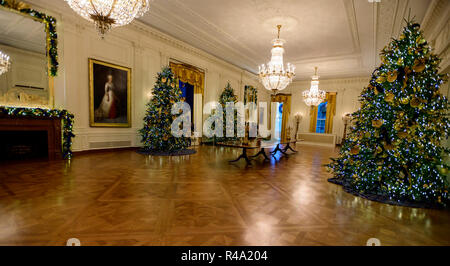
395	151
156	134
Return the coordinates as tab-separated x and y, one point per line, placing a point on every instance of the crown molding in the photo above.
64	15
167	39
337	81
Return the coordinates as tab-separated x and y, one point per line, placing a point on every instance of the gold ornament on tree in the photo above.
381	79
355	150
419	66
377	123
404	100
392	76
402	135
415	102
389	97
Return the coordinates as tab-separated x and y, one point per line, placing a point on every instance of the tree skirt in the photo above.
166	153
385	199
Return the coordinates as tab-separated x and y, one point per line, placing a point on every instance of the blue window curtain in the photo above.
188	95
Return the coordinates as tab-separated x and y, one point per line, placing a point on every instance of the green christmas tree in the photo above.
395	150
156	133
228	96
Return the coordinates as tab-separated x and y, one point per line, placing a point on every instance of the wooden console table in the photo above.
285	149
244	150
262	148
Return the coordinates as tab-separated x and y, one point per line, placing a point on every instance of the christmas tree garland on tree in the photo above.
394	152
156	134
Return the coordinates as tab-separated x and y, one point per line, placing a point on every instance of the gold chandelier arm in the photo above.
93	6
112	8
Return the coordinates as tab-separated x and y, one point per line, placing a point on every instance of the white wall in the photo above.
27	69
141	48
348	90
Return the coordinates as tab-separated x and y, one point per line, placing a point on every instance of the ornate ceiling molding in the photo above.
353	24
197	33
216	29
165	38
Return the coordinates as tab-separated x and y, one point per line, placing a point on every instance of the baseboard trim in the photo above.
75	153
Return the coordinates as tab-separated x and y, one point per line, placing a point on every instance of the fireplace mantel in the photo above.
51	125
65	122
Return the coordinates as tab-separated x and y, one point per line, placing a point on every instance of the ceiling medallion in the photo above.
314	96
107	14
4	63
274	76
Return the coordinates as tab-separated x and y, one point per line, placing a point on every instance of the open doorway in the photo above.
277	120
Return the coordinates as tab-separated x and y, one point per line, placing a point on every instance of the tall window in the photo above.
321	117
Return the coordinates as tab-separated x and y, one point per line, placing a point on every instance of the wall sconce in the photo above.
347	117
298	117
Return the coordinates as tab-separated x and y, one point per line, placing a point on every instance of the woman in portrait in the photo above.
108	108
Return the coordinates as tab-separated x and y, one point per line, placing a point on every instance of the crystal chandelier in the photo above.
4	63
274	76
107	14
314	96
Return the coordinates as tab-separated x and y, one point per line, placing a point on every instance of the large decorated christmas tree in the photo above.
156	133
395	149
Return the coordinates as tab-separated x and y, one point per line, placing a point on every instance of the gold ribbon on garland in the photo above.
189	74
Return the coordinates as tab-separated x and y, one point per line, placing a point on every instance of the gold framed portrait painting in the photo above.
110	94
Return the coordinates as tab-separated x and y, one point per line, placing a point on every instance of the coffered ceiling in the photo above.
341	37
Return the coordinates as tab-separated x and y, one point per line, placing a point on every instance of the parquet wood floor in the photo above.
124	198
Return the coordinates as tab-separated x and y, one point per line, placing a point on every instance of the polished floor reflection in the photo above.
124	198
